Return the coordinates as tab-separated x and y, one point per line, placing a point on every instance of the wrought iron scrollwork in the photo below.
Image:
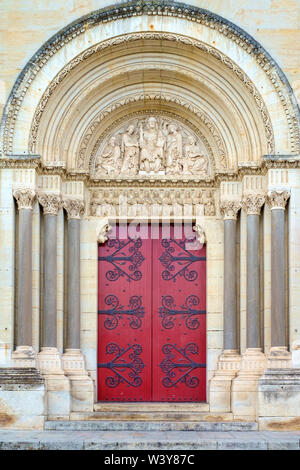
135	312
168	312
177	260
126	365
178	365
126	259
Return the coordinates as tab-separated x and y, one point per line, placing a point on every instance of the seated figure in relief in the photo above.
195	161
130	151
152	143
110	158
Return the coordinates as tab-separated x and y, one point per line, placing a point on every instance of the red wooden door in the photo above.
152	320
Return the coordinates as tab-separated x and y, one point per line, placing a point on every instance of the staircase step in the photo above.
203	426
151	406
163	415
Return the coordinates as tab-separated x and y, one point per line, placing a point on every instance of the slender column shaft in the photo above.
253	287
73	325
24	290
278	319
230	285
50	282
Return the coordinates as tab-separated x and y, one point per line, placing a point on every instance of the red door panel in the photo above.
179	321
152	320
124	320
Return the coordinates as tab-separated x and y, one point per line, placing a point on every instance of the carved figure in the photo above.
110	161
174	150
130	151
152	143
195	161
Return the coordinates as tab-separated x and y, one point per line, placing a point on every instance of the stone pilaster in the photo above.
244	388
229	360
24	355
279	356
82	388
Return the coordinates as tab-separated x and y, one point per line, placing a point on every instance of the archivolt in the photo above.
154	36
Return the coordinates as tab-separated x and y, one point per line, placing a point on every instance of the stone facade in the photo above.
123	115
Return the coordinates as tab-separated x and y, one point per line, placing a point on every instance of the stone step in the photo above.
163	415
151	406
203	426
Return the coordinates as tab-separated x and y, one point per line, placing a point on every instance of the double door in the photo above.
152	318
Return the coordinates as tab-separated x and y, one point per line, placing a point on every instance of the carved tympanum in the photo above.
152	145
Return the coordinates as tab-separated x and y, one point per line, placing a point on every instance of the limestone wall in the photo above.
26	24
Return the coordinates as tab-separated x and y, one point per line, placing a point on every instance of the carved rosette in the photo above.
253	203
25	198
74	208
229	209
277	199
51	203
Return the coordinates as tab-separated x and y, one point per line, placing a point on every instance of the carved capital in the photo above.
252	203
74	208
25	198
200	233
229	209
277	199
51	203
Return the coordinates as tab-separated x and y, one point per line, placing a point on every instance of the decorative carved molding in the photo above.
252	203
277	199
74	208
51	203
195	14
159	36
200	233
25	198
144	202
229	209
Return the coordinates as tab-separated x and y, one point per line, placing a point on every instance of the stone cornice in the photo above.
252	203
229	209
25	197
50	202
277	198
74	208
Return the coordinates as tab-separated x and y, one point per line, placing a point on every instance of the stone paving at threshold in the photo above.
148	440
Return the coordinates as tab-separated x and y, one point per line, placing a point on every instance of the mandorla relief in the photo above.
152	145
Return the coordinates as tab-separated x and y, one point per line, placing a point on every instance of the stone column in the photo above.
253	363
49	359
24	356
82	389
279	356
229	361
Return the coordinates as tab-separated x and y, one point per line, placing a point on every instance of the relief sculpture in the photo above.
152	146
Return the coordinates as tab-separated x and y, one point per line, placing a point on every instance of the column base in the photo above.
244	392
279	358
24	356
81	384
279	400
57	384
220	385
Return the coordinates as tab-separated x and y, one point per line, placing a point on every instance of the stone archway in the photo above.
182	65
